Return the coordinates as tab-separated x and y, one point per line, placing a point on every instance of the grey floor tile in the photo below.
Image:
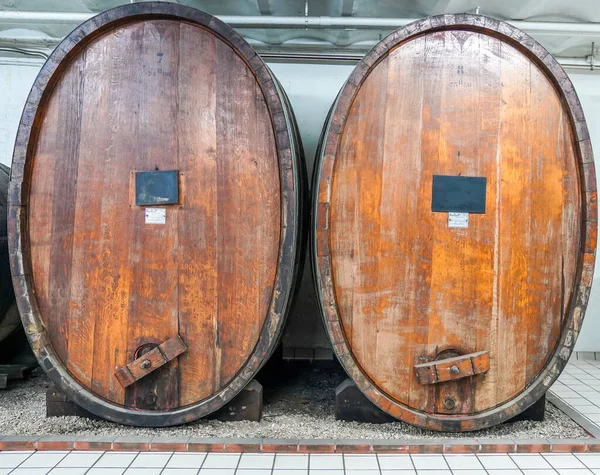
563	461
13	459
530	461
105	471
68	471
185	460
116	460
291	462
80	459
463	462
217	471
221	461
589	460
151	460
395	462
43	460
361	462
326	462
497	461
30	471
586	409
256	461
179	471
142	471
429	462
574	471
253	471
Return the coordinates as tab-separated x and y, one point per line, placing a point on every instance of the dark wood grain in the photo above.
198	303
153	297
114	272
247	226
456	95
154	88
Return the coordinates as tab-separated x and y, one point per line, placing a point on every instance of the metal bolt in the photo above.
454	370
449	403
150	399
146	364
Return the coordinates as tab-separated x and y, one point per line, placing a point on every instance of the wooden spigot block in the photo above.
150	361
453	368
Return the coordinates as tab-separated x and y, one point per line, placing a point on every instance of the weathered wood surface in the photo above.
449	369
144	87
155	358
459	95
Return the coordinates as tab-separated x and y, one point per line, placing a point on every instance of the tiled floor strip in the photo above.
577	392
178	463
579	388
427	446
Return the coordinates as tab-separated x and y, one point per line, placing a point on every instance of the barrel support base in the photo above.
58	404
9	372
246	406
352	405
536	412
16	358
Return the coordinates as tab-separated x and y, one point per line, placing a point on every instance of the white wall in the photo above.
311	89
587	85
16	79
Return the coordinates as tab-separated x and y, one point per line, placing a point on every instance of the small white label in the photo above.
156	215
458	220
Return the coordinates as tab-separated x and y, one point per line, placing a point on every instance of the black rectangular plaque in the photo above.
156	188
458	194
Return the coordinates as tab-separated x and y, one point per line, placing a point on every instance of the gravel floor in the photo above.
300	405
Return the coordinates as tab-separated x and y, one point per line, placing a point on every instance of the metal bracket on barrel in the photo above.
450	369
145	364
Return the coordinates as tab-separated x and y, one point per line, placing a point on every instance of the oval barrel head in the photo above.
161	226
455	222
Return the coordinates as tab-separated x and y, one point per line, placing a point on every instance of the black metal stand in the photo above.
11	371
16	359
353	406
535	412
246	406
58	404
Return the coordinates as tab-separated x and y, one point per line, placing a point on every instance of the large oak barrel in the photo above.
455	222
155	214
9	315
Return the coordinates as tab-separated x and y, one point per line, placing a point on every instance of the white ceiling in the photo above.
566	46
